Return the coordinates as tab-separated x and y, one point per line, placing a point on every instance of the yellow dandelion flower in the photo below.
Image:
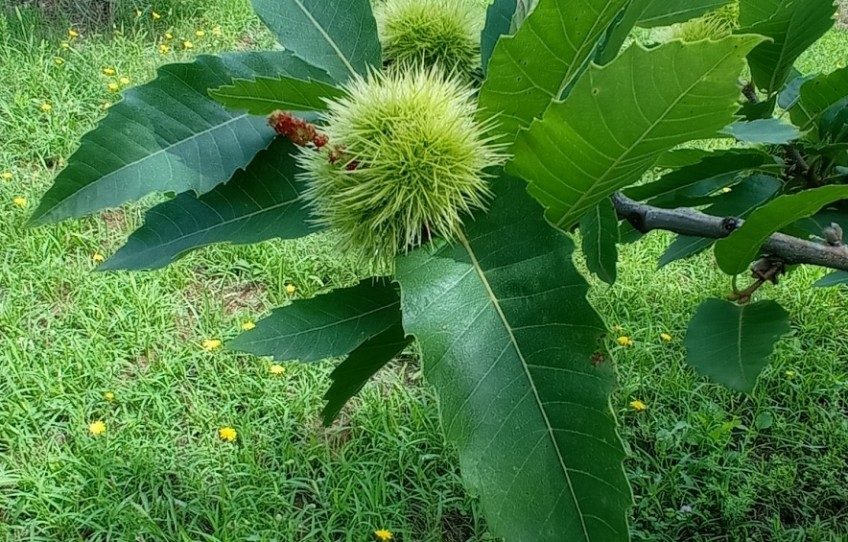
96	428
6	176
638	405
73	34
164	48
109	396
65	45
665	336
124	81
98	258
790	374
383	535
277	369
227	434
155	16
291	289
625	341
59	60
46	107
200	33
247	325
188	45
211	344
113	87
216	31
20	202
109	71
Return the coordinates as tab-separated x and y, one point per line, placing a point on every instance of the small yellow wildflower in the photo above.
383	535
59	60
109	396
73	33
65	45
277	369
164	48
625	341
98	258
216	31
20	202
7	176
247	325
46	107
291	289
790	374
168	36
188	45
105	105
227	434
155	16
665	336
96	428
200	33
638	405
113	87
124	81
109	71
211	344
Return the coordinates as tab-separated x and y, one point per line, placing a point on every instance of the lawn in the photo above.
80	346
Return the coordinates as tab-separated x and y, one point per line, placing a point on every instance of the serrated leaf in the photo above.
498	23
599	228
339	36
167	136
763	131
620	118
325	326
793	27
735	252
731	344
265	95
837	278
259	203
746	196
562	37
362	364
508	338
817	96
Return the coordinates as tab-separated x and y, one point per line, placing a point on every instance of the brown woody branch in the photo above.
684	221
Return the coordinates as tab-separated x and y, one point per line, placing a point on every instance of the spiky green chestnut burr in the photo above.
715	24
405	161
431	32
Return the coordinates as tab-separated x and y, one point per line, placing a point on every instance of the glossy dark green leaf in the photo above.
498	23
259	203
736	252
763	131
339	36
837	278
619	119
562	37
599	229
792	26
167	136
731	344
362	364
817	96
328	325
265	95
508	338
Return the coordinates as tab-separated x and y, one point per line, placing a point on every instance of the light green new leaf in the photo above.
817	96
736	252
167	136
599	228
731	344
325	326
620	118
339	36
260	202
508	338
792	25
362	364
265	95
532	67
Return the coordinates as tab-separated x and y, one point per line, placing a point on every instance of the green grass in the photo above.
160	472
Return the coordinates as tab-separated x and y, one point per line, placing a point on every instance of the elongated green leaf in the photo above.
562	37
167	135
363	363
508	337
339	36
738	250
837	278
792	25
619	119
745	197
498	23
599	229
817	96
265	95
731	344
764	131
329	325
259	203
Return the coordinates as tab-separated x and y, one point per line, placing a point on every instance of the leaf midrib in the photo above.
326	36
